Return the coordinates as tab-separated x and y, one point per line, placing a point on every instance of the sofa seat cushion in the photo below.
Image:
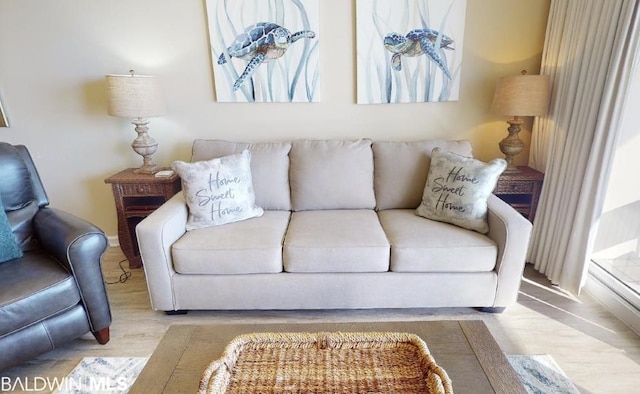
424	245
247	247
336	241
37	284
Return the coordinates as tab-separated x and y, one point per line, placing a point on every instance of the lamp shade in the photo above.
522	95
134	96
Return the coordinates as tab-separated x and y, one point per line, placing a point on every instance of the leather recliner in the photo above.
55	292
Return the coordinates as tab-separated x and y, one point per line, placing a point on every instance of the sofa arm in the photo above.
78	246
511	232
156	233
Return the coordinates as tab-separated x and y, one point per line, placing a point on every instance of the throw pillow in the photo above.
9	248
401	169
269	168
218	191
457	190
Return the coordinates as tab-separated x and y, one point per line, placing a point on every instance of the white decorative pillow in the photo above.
218	191
457	190
269	168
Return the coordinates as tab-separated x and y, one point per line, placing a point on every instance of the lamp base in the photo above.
145	146
513	171
147	169
512	145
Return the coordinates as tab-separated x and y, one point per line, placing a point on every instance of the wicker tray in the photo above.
325	363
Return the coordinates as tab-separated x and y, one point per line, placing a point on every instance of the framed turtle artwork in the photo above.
265	50
409	51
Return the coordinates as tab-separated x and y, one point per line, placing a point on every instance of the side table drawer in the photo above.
514	188
141	189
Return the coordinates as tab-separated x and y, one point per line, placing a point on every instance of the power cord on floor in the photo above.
124	276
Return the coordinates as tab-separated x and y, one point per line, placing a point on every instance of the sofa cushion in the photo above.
457	189
269	167
331	174
419	245
218	191
336	241
247	247
401	170
37	284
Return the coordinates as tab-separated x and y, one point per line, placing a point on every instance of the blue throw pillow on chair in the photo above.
9	248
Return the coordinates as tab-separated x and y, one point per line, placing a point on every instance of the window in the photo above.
616	257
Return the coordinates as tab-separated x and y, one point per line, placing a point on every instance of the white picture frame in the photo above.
3	118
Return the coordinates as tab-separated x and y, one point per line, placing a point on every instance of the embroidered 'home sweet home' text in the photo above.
220	190
455	183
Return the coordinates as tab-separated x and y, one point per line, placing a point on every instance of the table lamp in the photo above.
138	97
517	96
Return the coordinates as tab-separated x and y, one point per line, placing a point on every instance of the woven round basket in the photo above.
357	362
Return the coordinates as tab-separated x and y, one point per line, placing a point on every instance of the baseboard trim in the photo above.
617	305
113	240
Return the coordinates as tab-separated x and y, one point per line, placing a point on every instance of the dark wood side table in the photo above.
521	190
136	196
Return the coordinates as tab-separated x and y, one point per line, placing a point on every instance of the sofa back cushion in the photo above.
331	174
269	168
401	170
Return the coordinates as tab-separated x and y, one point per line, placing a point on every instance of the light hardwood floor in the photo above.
598	352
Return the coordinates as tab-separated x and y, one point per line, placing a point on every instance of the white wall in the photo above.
54	55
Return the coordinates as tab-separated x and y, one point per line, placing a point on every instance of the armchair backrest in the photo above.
21	191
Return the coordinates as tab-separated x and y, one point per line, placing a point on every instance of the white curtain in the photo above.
589	54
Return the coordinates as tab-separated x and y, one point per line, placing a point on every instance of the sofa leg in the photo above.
102	336
489	309
178	312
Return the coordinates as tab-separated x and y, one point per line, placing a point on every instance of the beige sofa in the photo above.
339	231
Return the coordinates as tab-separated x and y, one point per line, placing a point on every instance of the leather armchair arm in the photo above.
78	246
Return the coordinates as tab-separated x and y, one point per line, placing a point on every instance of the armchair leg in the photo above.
102	336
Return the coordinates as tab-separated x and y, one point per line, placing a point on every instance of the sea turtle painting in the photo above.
416	43
260	43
